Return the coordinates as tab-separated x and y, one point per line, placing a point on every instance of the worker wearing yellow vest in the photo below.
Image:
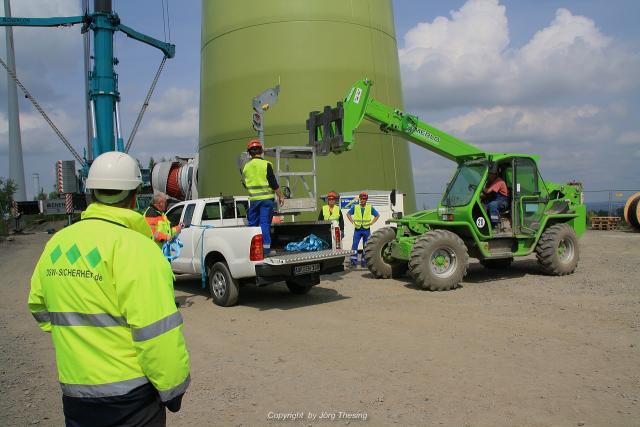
260	181
331	211
362	216
104	291
158	221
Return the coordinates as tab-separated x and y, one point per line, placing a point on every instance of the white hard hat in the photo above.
114	171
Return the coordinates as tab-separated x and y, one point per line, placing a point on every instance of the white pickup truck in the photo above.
216	237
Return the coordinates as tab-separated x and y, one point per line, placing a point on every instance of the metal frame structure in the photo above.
284	173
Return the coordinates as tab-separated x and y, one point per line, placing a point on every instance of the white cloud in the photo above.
45	57
467	60
629	138
516	125
170	126
37	136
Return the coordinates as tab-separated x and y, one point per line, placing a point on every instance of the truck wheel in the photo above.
376	252
297	287
439	261
557	250
224	288
496	264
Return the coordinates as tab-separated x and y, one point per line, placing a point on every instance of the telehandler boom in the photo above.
435	245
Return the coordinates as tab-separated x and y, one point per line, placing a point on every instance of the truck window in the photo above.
241	209
188	214
211	211
228	211
174	215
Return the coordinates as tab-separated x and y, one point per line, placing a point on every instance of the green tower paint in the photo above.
316	50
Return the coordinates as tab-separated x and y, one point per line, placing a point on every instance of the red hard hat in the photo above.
332	195
364	195
254	143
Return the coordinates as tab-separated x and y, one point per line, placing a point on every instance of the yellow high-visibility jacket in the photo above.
362	217
255	179
333	215
105	292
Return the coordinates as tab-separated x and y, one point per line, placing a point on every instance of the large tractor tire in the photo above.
557	250
439	261
496	264
377	256
224	288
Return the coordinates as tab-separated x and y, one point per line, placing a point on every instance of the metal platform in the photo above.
295	169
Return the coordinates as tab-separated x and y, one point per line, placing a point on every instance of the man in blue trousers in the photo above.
362	216
262	185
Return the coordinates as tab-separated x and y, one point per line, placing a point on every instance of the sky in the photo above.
548	77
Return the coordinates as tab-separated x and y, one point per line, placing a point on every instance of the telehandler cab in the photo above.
435	245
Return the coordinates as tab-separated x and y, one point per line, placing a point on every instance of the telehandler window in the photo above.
464	184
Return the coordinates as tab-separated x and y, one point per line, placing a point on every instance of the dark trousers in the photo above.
139	407
261	213
493	205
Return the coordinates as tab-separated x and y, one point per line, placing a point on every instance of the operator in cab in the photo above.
261	183
495	196
331	211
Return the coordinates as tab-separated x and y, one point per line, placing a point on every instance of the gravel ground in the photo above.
510	348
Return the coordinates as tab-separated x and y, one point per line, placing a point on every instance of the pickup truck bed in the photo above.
217	240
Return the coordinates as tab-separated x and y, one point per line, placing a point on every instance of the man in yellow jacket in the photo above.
158	221
104	291
262	185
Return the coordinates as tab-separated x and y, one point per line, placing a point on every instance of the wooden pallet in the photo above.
605	222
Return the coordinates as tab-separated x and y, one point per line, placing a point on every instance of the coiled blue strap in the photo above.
203	270
172	248
308	244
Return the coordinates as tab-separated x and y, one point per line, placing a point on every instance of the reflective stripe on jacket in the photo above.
333	215
255	179
362	219
105	292
160	225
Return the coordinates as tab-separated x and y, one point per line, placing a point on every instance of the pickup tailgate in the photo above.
300	264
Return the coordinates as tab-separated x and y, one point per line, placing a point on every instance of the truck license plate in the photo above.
306	269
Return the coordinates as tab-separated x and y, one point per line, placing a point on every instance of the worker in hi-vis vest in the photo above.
104	291
362	216
262	185
160	226
331	211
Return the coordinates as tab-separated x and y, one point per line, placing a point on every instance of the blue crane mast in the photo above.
103	93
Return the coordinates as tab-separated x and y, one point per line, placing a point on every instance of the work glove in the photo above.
174	404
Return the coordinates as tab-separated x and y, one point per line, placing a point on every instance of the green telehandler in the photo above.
435	245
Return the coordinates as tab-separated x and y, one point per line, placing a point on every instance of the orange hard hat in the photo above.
254	143
364	195
332	195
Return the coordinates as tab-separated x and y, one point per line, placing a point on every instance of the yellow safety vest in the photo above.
362	219
255	179
331	216
105	292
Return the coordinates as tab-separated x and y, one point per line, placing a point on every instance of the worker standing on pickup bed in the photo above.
260	181
331	211
362	216
105	293
158	221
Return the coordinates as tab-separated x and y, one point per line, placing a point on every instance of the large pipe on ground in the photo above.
632	211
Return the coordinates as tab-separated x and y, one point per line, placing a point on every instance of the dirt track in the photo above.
512	348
